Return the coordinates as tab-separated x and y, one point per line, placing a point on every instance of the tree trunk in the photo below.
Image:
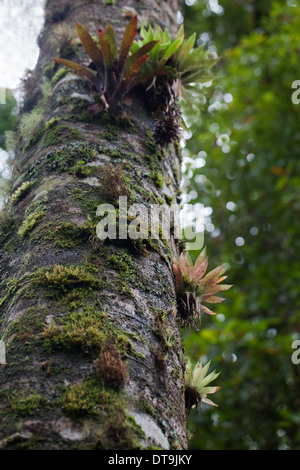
93	348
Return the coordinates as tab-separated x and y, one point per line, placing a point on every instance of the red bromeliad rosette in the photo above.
193	287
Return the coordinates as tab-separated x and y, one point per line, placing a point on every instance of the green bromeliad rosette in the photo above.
197	385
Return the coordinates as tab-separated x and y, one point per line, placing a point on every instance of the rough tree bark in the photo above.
93	347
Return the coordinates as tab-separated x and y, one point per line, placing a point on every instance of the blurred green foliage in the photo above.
7	115
243	163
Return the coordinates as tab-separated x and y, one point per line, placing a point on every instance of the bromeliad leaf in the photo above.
186	47
171	49
105	48
134	68
110	33
109	75
83	71
89	45
140	51
127	40
131	72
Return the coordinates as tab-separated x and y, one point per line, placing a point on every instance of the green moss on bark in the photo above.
57	134
63	278
25	404
30	222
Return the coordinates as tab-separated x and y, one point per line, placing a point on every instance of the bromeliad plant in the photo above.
165	47
196	385
183	63
114	71
167	69
193	287
180	67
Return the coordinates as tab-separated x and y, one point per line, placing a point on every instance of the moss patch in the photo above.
89	200
123	263
67	235
25	404
117	429
158	178
8	288
64	278
67	156
58	134
84	399
8	226
21	192
150	144
84	329
59	75
30	222
29	324
117	122
78	331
